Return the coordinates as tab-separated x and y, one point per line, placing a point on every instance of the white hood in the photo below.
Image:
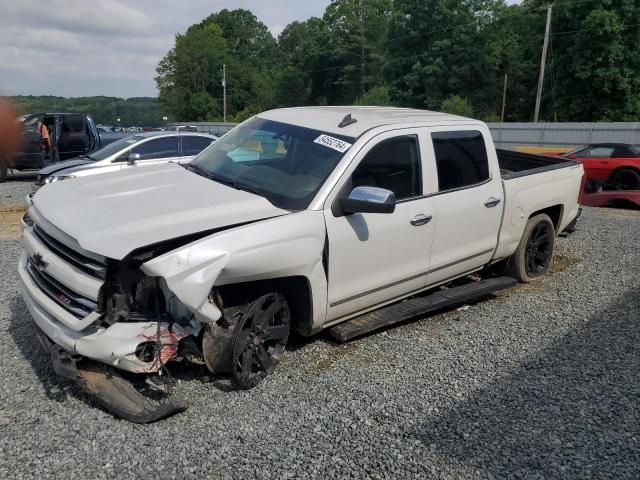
113	214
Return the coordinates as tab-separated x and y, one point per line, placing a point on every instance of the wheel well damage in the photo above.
296	290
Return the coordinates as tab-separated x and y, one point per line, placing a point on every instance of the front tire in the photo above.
260	339
532	258
625	179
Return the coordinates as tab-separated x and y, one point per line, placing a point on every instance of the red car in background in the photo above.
616	165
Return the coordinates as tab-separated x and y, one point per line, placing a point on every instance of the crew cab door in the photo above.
468	203
30	153
376	257
73	137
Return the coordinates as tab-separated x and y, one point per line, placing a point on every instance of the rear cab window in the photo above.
193	145
461	159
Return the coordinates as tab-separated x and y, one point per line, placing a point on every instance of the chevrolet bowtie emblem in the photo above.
38	262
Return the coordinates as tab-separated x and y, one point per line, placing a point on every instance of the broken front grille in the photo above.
71	301
86	264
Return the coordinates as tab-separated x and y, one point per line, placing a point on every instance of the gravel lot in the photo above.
542	381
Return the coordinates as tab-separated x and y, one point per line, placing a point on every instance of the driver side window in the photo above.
393	164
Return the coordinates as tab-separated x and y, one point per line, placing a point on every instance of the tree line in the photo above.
135	111
449	55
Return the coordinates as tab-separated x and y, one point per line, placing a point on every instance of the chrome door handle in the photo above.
491	202
421	220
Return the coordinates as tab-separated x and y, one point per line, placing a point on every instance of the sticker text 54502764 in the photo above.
331	142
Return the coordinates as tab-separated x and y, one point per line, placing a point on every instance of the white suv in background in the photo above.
141	149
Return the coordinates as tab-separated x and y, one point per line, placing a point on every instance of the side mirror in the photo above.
369	200
133	158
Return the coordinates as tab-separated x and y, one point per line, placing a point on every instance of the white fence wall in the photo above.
509	135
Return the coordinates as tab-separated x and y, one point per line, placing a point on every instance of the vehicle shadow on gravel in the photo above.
23	332
571	411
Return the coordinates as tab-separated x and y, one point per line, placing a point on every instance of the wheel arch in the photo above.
554	212
635	168
296	289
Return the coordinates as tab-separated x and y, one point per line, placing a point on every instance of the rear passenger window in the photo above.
165	147
393	164
192	145
461	159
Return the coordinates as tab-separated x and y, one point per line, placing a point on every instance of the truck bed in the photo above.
519	164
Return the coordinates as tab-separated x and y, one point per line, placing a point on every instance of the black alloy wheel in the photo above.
260	339
539	249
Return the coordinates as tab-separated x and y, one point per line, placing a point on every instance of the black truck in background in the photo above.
70	135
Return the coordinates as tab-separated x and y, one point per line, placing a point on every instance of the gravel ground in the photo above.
13	191
542	381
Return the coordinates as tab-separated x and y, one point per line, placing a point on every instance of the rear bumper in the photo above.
114	345
571	227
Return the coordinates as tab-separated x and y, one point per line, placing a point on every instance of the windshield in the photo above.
284	163
114	147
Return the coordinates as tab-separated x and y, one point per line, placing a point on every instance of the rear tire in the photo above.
534	254
625	179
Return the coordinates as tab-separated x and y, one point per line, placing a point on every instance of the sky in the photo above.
77	48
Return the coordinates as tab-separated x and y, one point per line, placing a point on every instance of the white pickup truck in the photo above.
339	218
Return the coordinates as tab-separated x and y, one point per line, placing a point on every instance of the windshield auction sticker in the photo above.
334	143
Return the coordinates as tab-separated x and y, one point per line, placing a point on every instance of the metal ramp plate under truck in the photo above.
414	307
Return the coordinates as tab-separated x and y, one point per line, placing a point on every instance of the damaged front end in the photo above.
220	299
107	325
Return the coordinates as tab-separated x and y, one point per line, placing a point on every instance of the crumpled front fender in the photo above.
278	247
190	273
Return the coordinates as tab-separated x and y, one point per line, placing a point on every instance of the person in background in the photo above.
45	140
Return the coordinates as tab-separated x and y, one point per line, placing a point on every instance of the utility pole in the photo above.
362	53
504	98
224	93
542	62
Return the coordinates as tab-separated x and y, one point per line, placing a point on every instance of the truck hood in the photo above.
115	213
50	169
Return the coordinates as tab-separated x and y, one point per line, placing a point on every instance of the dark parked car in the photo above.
70	135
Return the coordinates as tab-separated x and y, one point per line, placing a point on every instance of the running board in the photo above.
413	307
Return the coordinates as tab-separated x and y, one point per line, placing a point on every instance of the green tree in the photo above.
594	62
357	37
306	73
188	77
456	105
438	48
378	96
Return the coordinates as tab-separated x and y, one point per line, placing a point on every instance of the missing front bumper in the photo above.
109	388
